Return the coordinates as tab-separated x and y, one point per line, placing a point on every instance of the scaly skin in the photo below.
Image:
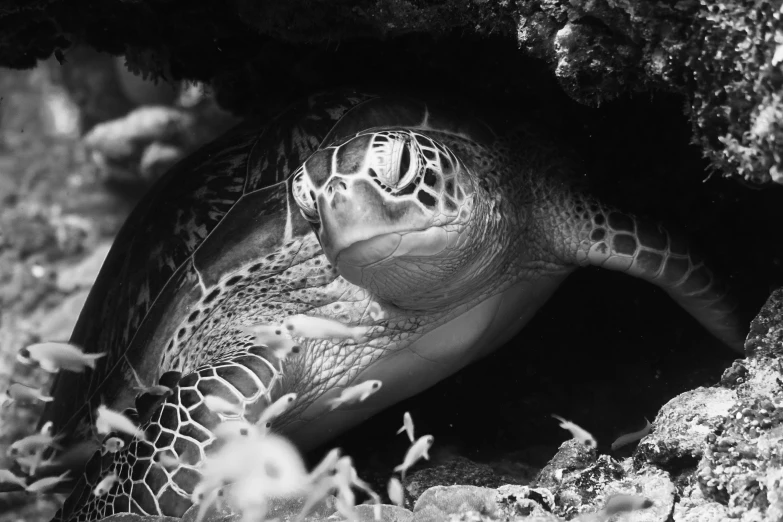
515	228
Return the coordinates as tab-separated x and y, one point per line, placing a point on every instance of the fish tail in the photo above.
334	403
92	357
359	332
401	430
558	417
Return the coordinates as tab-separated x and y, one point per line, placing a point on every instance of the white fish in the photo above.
628	438
396	492
578	433
31	463
7	477
256	463
407	425
112	445
326	465
110	420
274	337
221	405
233	428
417	451
276	409
47	428
32	444
105	485
53	357
20	392
623	503
204	499
311	327
317	491
46	483
167	460
155	389
356	393
376	312
364	486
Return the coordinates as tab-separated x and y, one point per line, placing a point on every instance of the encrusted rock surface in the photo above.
724	56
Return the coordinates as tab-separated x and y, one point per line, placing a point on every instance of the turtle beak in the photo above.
359	225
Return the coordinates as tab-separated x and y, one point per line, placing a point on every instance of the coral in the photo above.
724	56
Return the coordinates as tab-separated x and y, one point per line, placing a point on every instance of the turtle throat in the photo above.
438	267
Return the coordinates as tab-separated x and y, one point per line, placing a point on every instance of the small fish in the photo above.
31	463
352	394
47	429
20	392
417	451
274	337
622	503
105	485
31	444
110	420
46	483
326	465
221	405
407	426
167	460
364	486
205	500
7	477
156	389
396	492
276	409
53	357
578	433
628	438
376	312
233	428
112	445
311	327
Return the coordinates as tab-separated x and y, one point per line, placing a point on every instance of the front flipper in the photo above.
180	428
611	239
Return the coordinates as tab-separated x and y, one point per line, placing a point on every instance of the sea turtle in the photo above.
439	233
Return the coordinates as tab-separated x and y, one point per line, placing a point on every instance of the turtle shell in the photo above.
219	210
179	240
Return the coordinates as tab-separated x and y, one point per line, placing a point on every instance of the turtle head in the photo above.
392	210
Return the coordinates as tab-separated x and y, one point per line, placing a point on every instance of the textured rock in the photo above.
725	56
456	471
389	513
683	423
457	499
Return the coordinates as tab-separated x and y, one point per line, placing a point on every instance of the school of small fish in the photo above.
253	465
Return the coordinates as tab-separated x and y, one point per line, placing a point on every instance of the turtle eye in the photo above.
305	197
396	162
405	164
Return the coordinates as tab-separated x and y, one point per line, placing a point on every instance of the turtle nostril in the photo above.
336	185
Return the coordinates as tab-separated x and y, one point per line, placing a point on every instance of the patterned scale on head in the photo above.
392	210
435	236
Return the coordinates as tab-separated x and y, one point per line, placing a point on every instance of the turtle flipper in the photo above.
179	426
619	241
